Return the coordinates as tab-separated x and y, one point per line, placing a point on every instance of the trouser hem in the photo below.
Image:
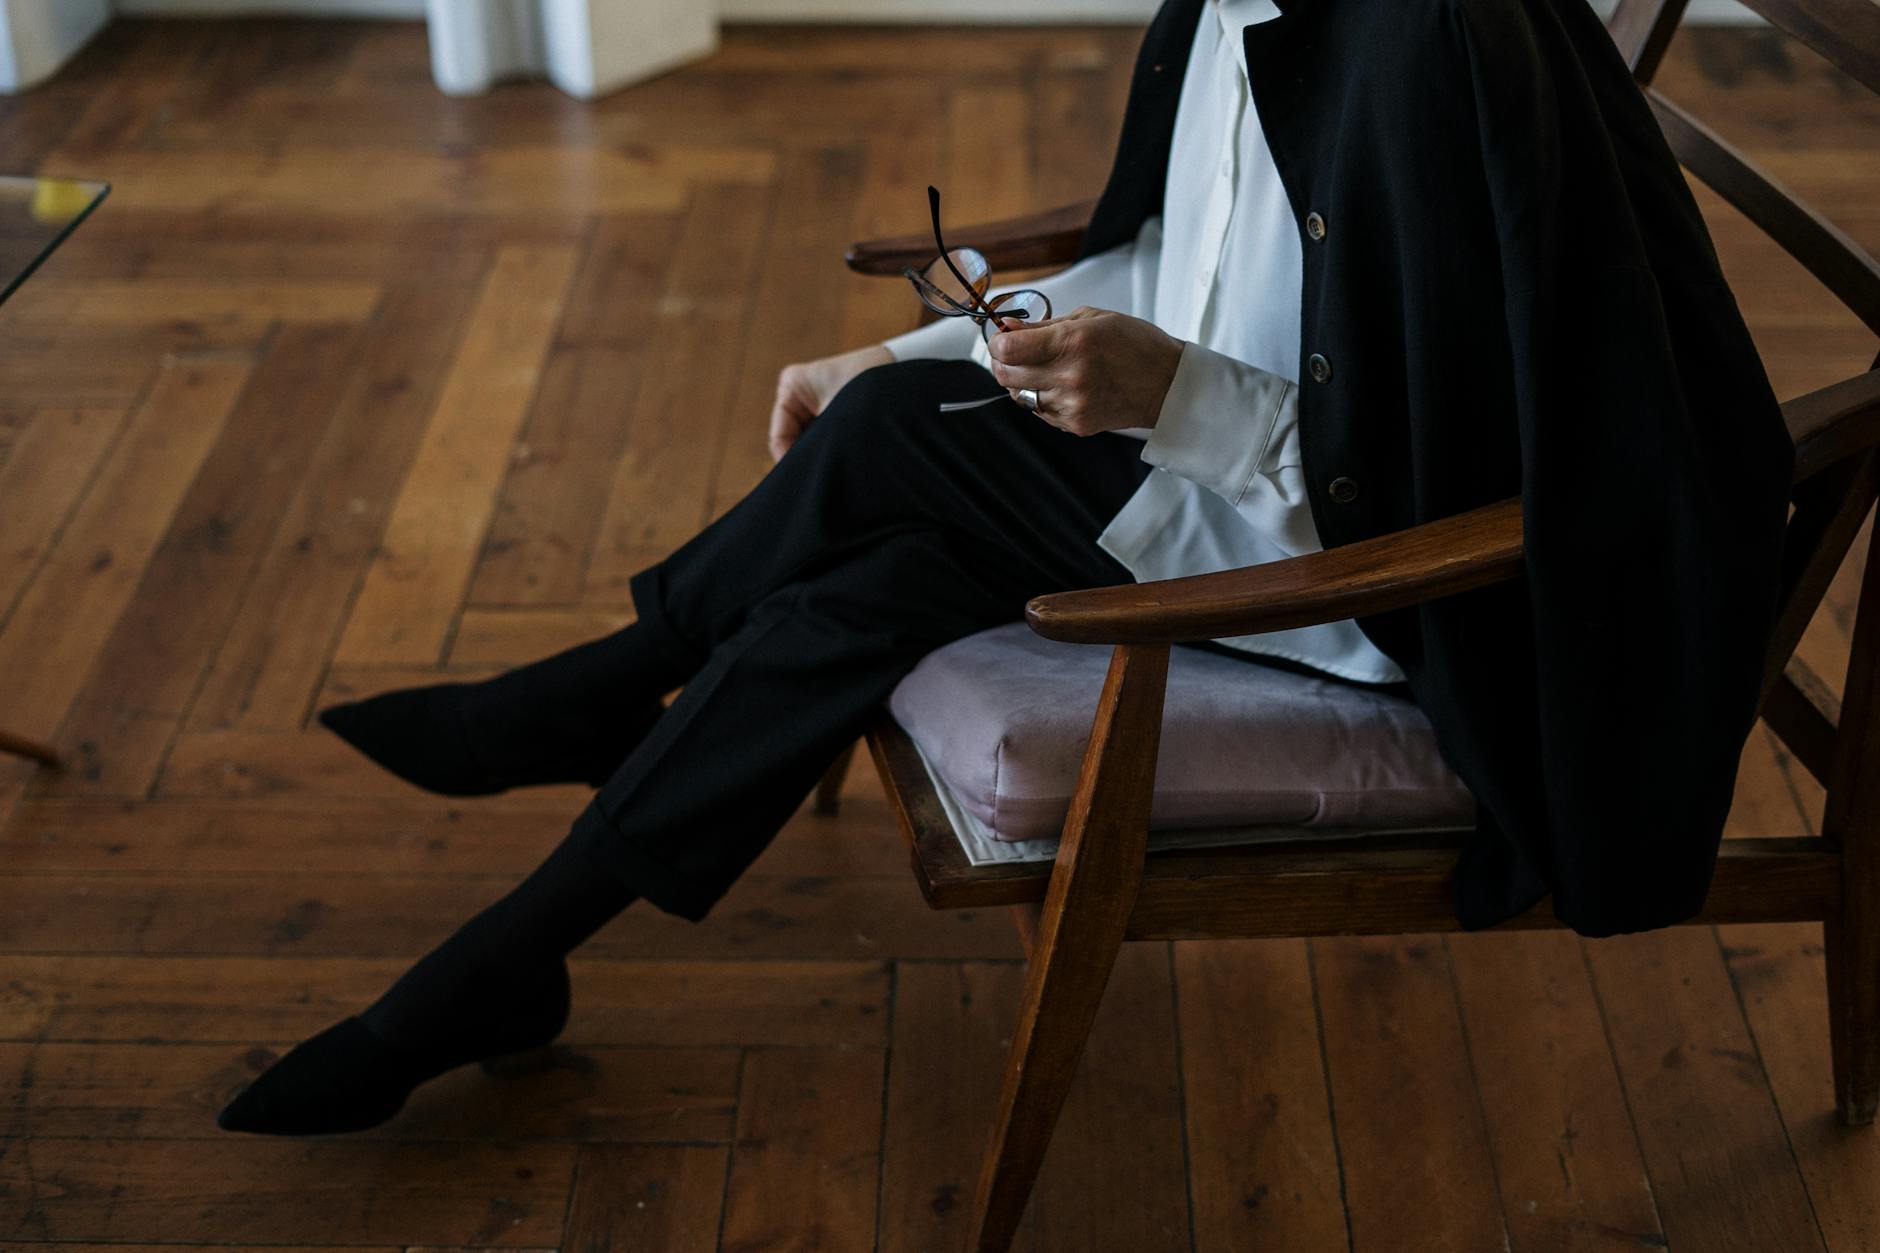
648	589
643	874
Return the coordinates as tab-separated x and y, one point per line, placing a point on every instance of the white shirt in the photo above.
1221	269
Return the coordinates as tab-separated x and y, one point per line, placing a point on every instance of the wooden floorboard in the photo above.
1264	1169
1419	1174
353	386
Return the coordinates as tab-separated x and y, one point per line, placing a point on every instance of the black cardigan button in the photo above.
1343	490
1315	227
1321	368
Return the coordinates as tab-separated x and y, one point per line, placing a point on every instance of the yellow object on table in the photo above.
59	200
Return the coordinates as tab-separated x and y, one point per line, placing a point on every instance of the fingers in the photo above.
1044	359
1062	360
806	388
783	431
1042	343
1093	370
1021	344
1013	377
791	412
1068	374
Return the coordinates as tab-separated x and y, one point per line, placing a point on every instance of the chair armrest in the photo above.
1437	559
1023	243
1833	423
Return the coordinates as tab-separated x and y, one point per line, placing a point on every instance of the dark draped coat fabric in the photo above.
1516	295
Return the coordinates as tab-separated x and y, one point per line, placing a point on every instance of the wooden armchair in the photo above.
1105	887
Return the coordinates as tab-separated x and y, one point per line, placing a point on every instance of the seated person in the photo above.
1361	264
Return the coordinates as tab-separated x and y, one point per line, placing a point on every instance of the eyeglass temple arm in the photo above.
979	302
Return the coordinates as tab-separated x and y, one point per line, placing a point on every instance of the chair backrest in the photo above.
1838	469
1847	34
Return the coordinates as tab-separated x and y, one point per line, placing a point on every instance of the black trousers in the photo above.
888	530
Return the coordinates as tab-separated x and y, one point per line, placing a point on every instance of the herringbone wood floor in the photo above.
351	385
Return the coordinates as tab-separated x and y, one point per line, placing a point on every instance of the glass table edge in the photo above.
9	286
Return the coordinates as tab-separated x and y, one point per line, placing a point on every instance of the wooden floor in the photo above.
351	385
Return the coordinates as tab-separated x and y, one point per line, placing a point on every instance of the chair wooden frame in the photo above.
1105	887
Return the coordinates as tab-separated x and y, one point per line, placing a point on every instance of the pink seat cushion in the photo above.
1003	716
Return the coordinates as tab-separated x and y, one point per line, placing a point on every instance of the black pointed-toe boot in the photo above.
569	718
349	1078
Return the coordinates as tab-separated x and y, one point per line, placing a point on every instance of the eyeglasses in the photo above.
954	285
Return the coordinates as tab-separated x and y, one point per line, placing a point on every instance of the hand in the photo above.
1093	370
804	390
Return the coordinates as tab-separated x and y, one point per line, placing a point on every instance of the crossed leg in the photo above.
886	532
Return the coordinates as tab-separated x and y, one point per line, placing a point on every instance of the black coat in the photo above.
1514	293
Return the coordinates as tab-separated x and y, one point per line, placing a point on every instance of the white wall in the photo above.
960	11
36	36
585	47
803	10
1024	11
301	8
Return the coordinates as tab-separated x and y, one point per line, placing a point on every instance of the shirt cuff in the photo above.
950	339
1217	421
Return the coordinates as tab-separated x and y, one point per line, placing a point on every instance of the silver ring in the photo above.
1027	397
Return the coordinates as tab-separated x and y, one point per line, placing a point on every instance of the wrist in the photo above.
1167	360
844	367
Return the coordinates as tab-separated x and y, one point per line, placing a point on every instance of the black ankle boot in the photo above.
569	718
498	986
445	739
347	1078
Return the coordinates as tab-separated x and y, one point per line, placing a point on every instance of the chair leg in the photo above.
1027	917
1079	933
829	791
1853	959
1851	816
1060	1004
20	746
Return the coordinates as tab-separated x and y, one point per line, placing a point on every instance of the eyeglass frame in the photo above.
981	312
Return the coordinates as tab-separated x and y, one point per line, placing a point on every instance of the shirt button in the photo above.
1315	227
1320	367
1343	490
